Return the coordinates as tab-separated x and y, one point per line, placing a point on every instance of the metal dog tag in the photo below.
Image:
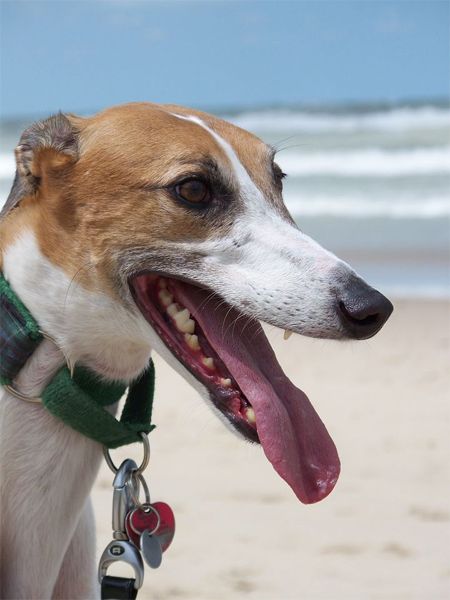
151	549
158	518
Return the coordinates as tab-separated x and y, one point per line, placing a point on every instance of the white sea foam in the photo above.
427	208
291	121
7	165
373	162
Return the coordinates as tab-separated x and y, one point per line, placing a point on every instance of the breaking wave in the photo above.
394	120
365	162
7	165
429	208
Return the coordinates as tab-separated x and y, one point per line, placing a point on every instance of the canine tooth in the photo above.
165	297
250	414
172	309
208	362
287	334
225	382
192	341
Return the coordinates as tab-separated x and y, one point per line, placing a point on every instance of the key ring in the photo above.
144	462
147	508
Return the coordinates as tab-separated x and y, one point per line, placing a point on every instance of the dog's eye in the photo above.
279	175
194	191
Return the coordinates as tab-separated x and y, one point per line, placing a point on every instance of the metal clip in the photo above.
122	551
126	489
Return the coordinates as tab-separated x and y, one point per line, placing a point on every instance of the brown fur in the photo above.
82	208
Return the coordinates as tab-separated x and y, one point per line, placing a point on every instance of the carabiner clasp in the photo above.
126	490
122	551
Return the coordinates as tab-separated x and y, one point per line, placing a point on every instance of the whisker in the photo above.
293	146
204	302
225	319
275	147
88	265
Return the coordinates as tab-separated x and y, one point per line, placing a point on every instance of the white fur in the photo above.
39	532
39	453
87	326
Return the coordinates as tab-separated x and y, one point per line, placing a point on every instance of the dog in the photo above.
156	227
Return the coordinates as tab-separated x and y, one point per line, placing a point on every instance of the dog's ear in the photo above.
46	146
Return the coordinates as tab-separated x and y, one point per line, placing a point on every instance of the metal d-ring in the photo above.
144	462
35	399
20	396
139	480
145	488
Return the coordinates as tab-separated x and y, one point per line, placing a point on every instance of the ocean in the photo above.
370	183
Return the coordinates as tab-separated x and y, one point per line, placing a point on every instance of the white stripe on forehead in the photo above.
245	181
269	232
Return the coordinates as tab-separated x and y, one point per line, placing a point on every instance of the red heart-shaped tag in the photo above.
140	519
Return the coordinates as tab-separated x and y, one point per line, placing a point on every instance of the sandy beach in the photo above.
384	531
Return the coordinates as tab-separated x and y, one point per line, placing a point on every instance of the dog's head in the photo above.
177	218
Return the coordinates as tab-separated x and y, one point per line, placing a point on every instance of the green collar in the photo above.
77	400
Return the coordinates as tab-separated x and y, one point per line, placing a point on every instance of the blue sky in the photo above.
84	55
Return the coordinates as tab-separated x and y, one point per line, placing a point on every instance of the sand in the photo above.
384	532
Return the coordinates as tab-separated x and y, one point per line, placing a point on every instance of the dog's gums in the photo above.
159	299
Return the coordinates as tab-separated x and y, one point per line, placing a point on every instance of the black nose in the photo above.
362	310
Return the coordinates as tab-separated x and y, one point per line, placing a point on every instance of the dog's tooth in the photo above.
182	317
172	309
209	362
287	334
165	297
192	341
225	382
162	282
250	414
187	326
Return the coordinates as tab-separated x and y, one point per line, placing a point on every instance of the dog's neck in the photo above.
89	327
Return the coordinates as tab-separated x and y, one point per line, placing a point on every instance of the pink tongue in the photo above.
292	435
